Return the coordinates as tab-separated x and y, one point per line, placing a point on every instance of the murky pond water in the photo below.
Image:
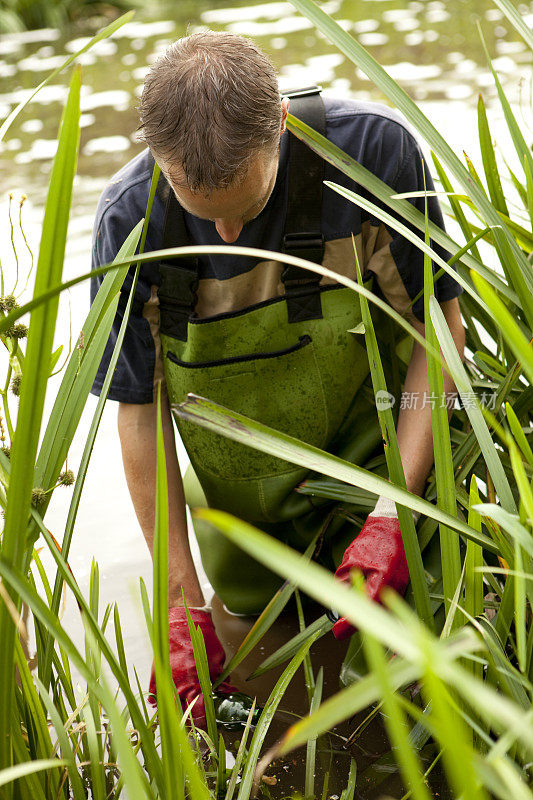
431	47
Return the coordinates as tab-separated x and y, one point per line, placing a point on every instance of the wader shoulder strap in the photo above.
178	276
302	236
303	224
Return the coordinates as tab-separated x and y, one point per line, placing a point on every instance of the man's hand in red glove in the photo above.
182	660
379	554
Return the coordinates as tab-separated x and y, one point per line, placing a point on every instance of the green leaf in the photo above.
489	160
261	437
471	404
21	770
266	717
395	468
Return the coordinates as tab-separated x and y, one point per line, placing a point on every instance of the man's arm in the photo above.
415	439
137	431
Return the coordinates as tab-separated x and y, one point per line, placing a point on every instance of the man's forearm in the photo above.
415	438
137	430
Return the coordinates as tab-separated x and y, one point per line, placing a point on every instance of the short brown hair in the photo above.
208	105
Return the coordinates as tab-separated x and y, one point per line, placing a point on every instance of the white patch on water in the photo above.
107	144
459	91
273	28
116	98
414	38
365	25
405	71
40	150
373	39
48	94
107	47
407	24
36	63
7	70
437	15
129	59
86	120
222	16
27	37
145	30
32	126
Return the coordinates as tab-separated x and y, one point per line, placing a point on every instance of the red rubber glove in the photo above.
182	660
379	554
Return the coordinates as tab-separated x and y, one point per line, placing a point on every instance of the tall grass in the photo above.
473	663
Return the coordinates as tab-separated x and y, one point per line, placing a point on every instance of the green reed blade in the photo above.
148	746
266	717
334	155
521	347
515	130
395	721
204	679
310	756
232	783
80	372
406	232
135	779
529	188
472	408
514	260
98	789
488	156
517	20
167	712
63	739
321	626
473	601
103	34
261	437
442	449
22	770
395	467
452	736
349	792
33	388
263	623
119	641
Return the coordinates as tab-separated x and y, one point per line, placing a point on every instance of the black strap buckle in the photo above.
309	246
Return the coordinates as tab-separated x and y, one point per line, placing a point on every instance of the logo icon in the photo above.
384	400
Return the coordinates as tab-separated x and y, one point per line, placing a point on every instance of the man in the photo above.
273	344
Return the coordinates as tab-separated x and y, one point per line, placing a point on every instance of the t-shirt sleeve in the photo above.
398	263
133	379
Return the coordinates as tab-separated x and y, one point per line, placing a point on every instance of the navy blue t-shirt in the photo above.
372	134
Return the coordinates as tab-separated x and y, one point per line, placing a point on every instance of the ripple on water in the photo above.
222	16
107	144
273	28
116	98
365	25
407	72
40	150
107	47
144	30
32	126
36	63
374	39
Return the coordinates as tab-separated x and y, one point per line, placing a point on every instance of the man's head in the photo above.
212	116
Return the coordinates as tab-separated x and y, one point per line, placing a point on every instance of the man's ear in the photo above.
284	112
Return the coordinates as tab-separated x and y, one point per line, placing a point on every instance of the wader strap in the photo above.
303	224
179	276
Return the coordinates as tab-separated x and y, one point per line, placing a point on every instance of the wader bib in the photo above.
291	362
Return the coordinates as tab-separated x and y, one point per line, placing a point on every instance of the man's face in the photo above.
231	208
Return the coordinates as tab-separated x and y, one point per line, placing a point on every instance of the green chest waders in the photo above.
290	362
